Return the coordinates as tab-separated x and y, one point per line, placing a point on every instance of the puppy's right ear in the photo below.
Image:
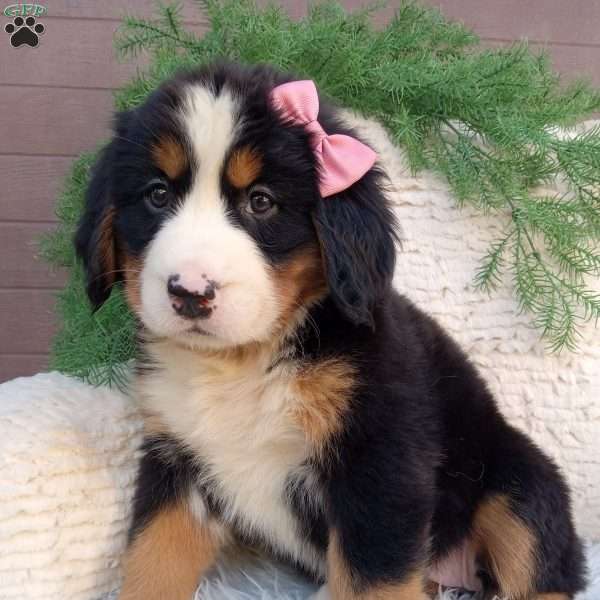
95	239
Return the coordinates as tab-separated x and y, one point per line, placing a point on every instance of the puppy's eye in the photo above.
157	195
260	203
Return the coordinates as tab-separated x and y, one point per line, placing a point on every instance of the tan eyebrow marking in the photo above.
170	156
243	167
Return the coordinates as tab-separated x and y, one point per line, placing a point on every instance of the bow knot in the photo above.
342	159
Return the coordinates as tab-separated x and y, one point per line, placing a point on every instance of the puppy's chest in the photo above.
244	426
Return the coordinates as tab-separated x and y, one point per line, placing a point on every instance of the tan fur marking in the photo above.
339	578
170	157
324	389
508	545
166	559
300	282
153	425
106	246
552	597
244	167
341	586
431	589
132	270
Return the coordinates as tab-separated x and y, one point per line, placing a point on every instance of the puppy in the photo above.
293	401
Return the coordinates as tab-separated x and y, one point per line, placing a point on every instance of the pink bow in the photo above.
343	160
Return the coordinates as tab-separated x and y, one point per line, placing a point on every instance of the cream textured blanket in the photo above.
68	451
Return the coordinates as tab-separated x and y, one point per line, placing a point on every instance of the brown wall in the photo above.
56	101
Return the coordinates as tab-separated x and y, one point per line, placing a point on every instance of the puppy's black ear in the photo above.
95	240
357	232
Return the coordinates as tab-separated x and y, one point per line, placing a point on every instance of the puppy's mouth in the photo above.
199	331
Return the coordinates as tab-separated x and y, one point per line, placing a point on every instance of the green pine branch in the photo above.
138	35
487	120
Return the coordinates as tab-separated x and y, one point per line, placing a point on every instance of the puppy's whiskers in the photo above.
115	272
130	141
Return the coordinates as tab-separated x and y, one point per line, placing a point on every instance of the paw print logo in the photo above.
24	31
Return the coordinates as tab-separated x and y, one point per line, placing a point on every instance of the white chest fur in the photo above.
237	417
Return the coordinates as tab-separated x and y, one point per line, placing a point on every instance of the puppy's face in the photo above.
206	204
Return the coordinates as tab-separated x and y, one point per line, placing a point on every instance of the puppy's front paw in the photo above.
322	594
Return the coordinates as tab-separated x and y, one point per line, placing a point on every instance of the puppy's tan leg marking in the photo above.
552	597
508	546
342	587
166	559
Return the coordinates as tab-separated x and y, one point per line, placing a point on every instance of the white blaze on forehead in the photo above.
210	122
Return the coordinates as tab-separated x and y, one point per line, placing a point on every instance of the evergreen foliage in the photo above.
485	119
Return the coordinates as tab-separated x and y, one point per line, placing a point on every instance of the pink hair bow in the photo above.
342	159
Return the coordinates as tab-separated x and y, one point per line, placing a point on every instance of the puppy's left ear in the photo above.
95	240
357	233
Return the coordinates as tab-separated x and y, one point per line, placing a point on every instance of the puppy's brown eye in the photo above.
157	196
260	203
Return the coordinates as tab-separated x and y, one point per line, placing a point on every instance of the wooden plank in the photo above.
576	61
295	8
382	15
30	186
569	28
21	365
571	62
27	321
114	9
53	121
86	59
575	21
83	65
21	266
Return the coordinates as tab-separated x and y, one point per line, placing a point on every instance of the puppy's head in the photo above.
206	204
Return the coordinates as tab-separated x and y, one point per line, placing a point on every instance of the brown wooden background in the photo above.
56	101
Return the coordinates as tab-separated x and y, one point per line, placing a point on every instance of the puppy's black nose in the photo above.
188	301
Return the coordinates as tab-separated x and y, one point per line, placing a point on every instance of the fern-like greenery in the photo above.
485	119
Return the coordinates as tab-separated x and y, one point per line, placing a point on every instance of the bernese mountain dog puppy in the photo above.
293	401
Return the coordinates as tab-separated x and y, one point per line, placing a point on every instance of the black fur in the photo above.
423	444
87	240
166	472
356	229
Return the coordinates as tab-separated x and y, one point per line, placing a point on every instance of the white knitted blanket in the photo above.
68	452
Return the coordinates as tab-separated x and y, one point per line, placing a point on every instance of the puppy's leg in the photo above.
524	527
346	583
172	539
167	557
379	491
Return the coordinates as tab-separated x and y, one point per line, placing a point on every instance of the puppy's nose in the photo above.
192	298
